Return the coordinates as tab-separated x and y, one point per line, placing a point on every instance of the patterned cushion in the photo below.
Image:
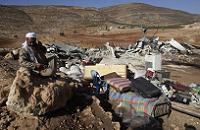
119	84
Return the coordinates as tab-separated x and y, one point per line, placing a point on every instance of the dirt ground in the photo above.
117	37
184	74
180	121
80	113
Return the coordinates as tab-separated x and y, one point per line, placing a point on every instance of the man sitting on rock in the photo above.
32	55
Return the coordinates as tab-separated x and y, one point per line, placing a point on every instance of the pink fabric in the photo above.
120	84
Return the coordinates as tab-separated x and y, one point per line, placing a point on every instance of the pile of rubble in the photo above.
31	95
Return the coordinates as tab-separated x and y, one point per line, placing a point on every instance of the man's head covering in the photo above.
31	35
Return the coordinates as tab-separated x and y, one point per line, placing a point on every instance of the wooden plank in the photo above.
188	109
121	70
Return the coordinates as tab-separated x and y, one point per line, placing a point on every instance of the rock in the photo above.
22	123
4	51
91	126
173	126
5	118
111	49
87	111
1	57
34	95
105	117
116	125
4	94
12	55
15	53
9	56
177	128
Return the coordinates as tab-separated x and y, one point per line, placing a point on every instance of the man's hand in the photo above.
39	67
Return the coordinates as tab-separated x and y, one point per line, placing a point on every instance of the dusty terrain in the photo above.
88	27
117	37
184	74
80	113
120	25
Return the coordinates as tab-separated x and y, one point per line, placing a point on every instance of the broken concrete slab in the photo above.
103	69
133	60
111	49
188	60
177	45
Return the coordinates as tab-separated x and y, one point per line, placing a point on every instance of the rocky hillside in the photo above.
47	19
137	13
80	25
60	18
12	19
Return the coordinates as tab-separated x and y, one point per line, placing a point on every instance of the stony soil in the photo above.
82	113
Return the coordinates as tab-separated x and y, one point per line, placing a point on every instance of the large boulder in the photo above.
12	55
8	69
34	95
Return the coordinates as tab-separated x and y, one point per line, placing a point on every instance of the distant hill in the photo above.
16	20
138	13
13	20
48	19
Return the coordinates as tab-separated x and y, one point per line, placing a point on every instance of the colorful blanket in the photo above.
136	104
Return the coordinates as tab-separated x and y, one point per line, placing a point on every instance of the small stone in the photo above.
91	126
100	123
71	84
116	125
177	128
78	110
173	125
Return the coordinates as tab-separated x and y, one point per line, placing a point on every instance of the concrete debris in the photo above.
31	95
133	56
74	71
9	56
103	69
54	49
187	46
111	49
176	45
